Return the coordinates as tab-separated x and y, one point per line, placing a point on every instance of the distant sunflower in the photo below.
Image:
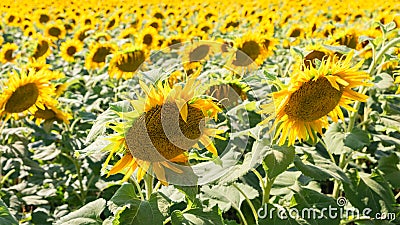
250	49
199	51
7	53
98	53
69	48
174	42
128	33
112	22
316	52
51	113
347	37
82	33
150	145
55	31
26	93
126	63
42	49
148	37
314	94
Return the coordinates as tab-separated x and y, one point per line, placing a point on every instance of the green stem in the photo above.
188	207
78	172
158	185
253	209
139	189
267	189
242	218
262	184
397	196
148	181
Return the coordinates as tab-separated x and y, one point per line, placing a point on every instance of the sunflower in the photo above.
397	81
174	42
126	63
42	49
228	90
347	37
26	93
82	33
198	51
69	48
51	113
7	53
316	52
314	94
250	51
96	58
150	141
148	37
55	31
128	33
112	22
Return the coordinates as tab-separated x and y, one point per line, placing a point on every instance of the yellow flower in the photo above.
96	58
149	141
314	94
55	31
69	48
126	63
26	93
51	113
7	53
42	49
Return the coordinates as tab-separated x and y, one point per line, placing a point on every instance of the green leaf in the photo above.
5	215
383	81
369	191
196	217
313	206
278	159
139	212
189	191
89	214
357	139
227	196
390	166
334	139
124	195
320	168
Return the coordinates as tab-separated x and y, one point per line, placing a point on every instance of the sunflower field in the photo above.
199	113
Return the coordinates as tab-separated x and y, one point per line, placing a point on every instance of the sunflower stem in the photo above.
248	202
78	172
148	181
267	189
262	184
242	218
343	160
139	189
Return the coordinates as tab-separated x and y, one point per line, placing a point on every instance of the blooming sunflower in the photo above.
26	93
198	51
7	53
96	58
150	141
148	37
250	50
69	48
312	95
126	63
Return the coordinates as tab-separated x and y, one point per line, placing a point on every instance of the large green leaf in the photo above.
5	216
390	166
227	196
89	214
369	191
136	211
196	217
278	159
320	168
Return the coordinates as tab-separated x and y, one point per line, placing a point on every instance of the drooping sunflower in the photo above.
198	51
168	122
96	58
51	114
303	107
55	31
7	53
42	49
26	93
127	62
69	48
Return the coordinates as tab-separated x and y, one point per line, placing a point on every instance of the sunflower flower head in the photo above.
168	122
313	94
